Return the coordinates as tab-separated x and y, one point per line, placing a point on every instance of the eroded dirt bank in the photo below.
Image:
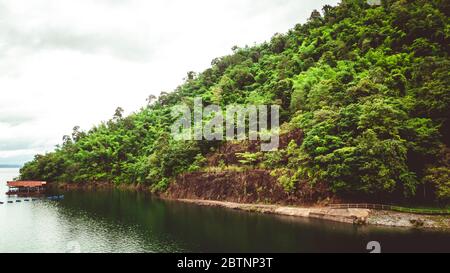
253	186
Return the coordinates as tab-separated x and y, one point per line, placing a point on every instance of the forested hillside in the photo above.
368	87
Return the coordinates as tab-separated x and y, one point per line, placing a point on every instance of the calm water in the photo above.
115	221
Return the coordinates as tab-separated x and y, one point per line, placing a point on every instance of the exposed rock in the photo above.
252	186
397	219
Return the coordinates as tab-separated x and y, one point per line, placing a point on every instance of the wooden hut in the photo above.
25	187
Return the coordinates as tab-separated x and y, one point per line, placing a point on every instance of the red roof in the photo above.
26	184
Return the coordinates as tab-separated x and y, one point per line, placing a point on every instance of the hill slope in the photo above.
368	86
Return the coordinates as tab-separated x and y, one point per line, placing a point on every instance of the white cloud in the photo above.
72	62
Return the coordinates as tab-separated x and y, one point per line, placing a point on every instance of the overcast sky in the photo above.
72	62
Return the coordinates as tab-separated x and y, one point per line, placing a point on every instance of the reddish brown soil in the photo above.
254	186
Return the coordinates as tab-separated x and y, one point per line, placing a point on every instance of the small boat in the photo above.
1	203
27	200
10	202
18	201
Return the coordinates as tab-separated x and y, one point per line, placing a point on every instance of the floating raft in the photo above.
52	198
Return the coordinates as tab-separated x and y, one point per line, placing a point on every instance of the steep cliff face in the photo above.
252	186
226	179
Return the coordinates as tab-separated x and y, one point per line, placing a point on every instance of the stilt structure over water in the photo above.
26	187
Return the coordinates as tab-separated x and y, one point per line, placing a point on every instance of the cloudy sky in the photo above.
72	62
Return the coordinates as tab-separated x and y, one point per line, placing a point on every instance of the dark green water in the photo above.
120	221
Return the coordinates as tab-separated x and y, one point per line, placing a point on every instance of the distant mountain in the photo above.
4	166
